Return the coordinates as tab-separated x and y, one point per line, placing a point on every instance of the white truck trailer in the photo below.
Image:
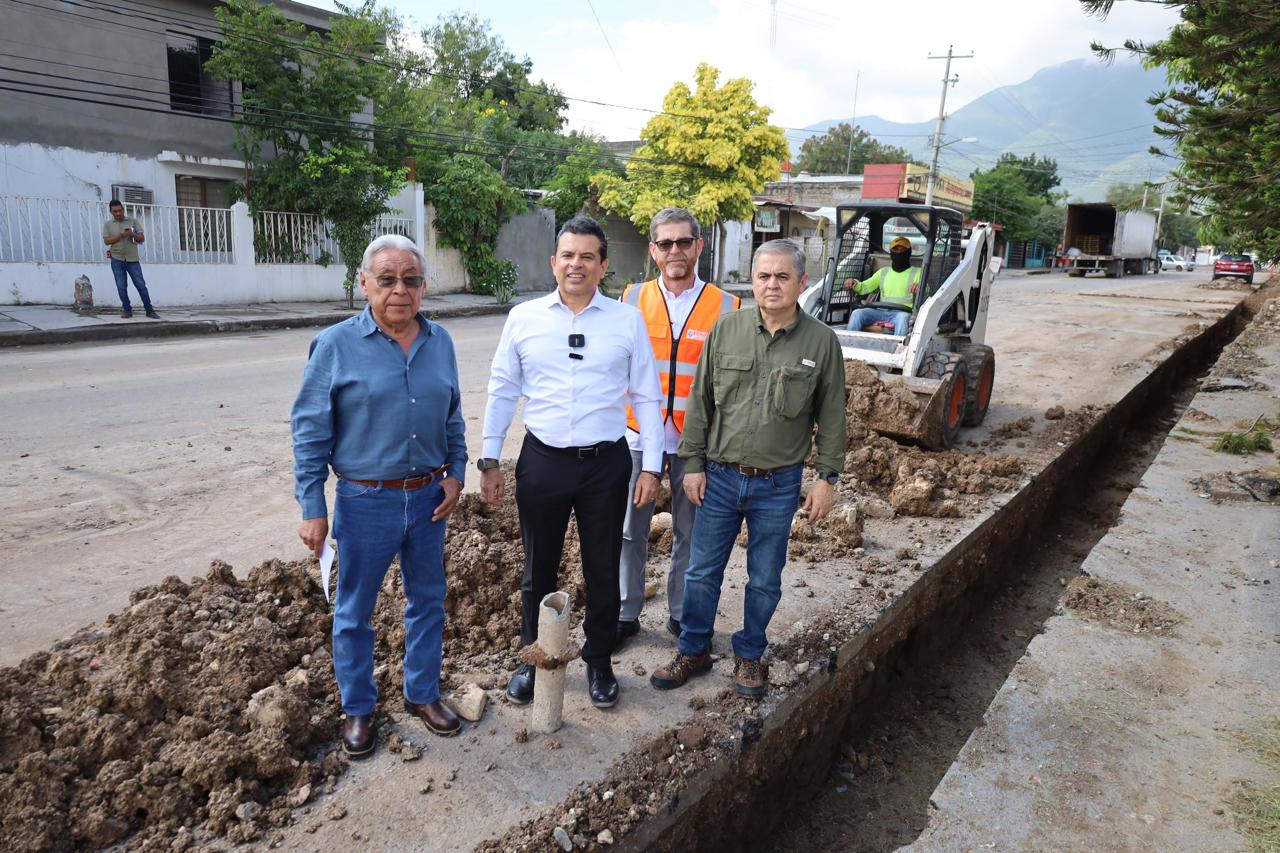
1099	238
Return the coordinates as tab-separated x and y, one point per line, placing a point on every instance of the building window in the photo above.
191	89
203	229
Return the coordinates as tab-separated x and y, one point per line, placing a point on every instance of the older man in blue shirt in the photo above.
380	403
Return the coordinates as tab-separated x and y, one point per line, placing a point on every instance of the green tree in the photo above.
298	129
573	180
1000	194
710	151
1220	113
1040	174
831	153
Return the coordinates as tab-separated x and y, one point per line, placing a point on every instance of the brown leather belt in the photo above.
748	470
407	485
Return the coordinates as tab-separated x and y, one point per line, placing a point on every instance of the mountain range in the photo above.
1091	117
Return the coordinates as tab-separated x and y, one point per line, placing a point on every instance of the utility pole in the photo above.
947	80
853	126
773	26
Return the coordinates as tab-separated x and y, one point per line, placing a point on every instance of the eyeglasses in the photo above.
412	282
683	243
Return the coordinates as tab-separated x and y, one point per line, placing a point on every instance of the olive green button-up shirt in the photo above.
756	397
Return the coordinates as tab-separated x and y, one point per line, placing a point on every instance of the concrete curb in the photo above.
175	328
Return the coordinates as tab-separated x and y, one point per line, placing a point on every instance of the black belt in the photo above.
584	452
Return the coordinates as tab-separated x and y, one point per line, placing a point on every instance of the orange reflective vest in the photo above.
677	356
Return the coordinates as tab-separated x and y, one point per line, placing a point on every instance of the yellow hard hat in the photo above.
900	243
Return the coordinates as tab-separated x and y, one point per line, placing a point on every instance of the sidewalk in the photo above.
26	325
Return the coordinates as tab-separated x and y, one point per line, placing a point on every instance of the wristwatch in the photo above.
831	478
486	464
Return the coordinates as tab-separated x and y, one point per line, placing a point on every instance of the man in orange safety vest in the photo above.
679	310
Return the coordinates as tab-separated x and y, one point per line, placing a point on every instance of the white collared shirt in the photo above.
575	402
678	309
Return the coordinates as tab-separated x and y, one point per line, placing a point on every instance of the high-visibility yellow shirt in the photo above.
893	286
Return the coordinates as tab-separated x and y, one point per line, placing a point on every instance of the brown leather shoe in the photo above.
359	736
437	716
749	677
681	669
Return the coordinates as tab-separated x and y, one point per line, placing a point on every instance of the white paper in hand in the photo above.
326	563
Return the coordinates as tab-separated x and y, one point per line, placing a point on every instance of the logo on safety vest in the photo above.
695	334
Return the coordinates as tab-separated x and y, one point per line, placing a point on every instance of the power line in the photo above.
603	34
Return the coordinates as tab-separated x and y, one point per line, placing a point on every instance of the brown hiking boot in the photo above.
681	669
748	677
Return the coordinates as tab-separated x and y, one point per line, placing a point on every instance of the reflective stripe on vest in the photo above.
677	356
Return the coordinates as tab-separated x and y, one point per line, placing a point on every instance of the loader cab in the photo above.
863	234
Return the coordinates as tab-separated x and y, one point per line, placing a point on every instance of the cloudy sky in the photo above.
628	54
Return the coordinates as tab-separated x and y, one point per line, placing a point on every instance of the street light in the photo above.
933	168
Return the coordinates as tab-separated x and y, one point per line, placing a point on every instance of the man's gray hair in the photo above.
781	247
668	215
395	242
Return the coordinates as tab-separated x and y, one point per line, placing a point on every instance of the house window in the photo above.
201	229
191	89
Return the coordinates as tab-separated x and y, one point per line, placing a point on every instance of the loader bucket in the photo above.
931	422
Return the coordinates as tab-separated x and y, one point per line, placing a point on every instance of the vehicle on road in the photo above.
1099	238
1178	263
1233	266
943	359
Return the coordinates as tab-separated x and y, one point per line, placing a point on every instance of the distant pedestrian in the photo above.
380	402
123	234
679	310
576	356
766	378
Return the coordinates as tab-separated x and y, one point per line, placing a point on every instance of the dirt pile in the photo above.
1120	606
914	481
203	710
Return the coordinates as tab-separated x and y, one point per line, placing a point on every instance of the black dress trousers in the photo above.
551	482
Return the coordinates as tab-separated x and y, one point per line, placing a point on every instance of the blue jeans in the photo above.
862	316
768	504
372	525
134	269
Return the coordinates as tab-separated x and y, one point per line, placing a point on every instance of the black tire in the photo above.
949	367
980	363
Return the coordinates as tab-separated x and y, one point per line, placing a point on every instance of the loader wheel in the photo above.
980	361
950	367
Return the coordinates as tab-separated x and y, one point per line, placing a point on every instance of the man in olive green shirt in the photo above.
766	377
122	234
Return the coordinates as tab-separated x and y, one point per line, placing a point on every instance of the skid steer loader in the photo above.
942	359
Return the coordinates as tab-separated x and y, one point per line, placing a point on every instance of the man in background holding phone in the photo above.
123	234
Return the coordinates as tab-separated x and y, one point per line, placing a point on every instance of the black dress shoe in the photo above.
626	629
520	687
673	627
602	686
359	735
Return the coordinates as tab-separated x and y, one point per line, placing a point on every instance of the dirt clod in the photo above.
1120	605
1055	413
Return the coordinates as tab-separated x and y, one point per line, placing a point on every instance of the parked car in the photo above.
1235	266
1177	262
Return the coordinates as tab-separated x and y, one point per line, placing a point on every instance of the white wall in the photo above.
38	170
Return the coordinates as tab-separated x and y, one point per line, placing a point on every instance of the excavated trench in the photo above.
849	761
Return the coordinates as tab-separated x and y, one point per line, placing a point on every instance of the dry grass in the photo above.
1257	807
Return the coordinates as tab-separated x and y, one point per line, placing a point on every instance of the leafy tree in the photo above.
301	95
1048	224
710	151
1040	174
1001	194
831	154
1220	113
573	181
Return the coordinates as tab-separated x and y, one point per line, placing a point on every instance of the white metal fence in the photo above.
305	238
61	230
64	230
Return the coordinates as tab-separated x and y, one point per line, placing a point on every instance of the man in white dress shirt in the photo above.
576	356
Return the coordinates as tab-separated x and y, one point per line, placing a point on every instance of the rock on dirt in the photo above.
469	702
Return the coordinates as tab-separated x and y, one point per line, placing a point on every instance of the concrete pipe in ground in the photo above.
553	639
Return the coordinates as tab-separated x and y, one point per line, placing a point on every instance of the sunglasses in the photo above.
683	243
413	282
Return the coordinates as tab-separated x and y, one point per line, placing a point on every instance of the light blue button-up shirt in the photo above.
373	413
